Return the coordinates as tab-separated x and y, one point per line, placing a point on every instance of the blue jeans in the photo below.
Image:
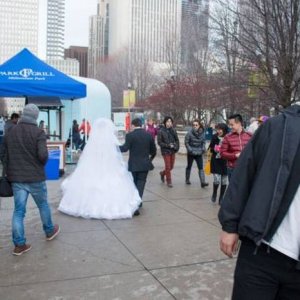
38	190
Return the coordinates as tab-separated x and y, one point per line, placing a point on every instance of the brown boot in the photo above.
54	234
19	250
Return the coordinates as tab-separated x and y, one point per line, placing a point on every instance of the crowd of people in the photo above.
257	170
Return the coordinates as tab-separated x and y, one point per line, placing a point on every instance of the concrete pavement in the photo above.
170	251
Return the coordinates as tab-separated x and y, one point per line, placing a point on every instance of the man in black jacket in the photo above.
142	150
24	155
262	208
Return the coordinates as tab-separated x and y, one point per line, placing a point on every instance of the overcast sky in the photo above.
76	23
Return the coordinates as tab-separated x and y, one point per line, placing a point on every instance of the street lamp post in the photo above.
128	111
172	85
129	100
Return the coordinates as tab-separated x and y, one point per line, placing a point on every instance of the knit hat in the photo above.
30	113
263	119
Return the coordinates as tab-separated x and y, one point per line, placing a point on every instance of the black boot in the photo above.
187	176
222	192
214	195
202	179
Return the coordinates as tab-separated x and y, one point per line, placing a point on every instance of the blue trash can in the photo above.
52	166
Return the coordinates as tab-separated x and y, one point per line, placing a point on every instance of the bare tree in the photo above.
267	39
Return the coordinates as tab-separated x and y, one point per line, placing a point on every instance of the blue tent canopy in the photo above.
26	75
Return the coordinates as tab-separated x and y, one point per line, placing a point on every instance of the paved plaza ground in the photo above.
170	251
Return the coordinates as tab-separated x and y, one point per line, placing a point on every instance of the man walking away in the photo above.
24	156
142	151
262	208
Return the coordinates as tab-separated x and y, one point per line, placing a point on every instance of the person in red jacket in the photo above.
85	129
234	142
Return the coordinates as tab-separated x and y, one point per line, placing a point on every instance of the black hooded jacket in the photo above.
266	179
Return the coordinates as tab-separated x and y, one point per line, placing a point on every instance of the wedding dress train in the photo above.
100	187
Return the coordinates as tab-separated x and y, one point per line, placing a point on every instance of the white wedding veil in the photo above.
100	186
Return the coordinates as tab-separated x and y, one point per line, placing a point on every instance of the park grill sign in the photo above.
26	74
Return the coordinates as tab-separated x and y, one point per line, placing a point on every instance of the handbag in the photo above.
5	186
207	169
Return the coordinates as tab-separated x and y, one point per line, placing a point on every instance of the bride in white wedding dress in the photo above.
101	187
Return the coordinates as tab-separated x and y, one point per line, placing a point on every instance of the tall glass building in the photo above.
98	38
147	29
18	27
194	30
55	29
150	28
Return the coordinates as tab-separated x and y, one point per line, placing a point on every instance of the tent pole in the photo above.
48	116
60	123
71	136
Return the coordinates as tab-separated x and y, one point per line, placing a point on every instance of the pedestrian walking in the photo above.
168	141
195	146
12	122
24	155
142	151
262	208
75	135
85	128
234	142
218	165
151	128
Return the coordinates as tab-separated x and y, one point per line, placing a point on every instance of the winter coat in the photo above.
152	130
217	164
195	142
232	144
25	153
168	141
75	133
141	148
265	180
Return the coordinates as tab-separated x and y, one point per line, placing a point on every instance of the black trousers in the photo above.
266	275
139	179
197	158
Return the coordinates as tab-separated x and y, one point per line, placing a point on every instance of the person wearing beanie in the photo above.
24	155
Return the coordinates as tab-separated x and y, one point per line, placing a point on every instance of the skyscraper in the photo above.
81	54
194	30
55	29
98	37
18	27
148	29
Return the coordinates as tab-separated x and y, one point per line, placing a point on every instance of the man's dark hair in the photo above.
14	116
136	122
236	118
166	119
